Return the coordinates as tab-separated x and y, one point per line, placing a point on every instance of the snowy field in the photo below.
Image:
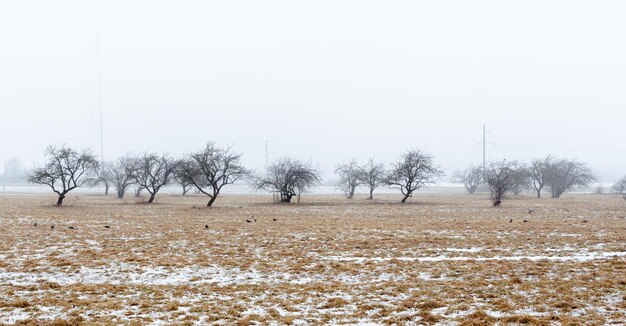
440	259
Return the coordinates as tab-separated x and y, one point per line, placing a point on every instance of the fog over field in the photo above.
322	80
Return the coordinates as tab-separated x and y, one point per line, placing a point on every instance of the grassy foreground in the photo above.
447	259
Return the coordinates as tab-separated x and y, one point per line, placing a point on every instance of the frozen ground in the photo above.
438	260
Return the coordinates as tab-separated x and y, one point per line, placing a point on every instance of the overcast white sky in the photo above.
329	80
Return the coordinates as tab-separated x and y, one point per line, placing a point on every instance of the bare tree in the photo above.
121	174
415	169
65	170
539	171
500	179
152	172
620	187
565	175
350	177
103	177
138	191
211	169
521	179
289	177
179	178
373	175
471	178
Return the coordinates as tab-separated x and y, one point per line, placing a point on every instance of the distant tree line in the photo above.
556	175
213	167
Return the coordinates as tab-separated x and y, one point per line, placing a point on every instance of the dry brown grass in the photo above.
326	260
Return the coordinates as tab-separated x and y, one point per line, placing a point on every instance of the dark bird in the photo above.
511	220
253	218
107	227
52	227
585	221
35	224
248	221
530	211
206	226
70	227
274	219
525	221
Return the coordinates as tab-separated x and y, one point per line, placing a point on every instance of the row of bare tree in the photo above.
502	177
211	168
208	170
414	170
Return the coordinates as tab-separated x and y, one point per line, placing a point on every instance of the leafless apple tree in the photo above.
350	177
287	176
415	169
539	171
373	175
179	177
500	179
565	175
65	170
121	173
211	169
471	178
521	179
620	187
102	177
152	172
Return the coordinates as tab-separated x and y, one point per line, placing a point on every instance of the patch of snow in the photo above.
468	250
14	316
579	257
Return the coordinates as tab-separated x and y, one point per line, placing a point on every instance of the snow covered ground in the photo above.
440	260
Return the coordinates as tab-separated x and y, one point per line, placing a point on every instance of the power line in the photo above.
484	143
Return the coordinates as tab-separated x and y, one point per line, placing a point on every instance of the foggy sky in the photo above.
327	80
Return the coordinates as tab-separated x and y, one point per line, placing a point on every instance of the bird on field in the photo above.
206	226
253	218
530	211
525	221
52	227
35	224
585	221
274	219
107	227
511	220
248	221
70	227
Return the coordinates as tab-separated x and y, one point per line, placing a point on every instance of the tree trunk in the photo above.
185	190
211	201
538	193
371	194
106	189
285	198
138	192
405	198
151	198
60	200
120	193
351	194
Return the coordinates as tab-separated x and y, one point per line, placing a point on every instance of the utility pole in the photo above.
484	143
100	94
267	156
484	152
